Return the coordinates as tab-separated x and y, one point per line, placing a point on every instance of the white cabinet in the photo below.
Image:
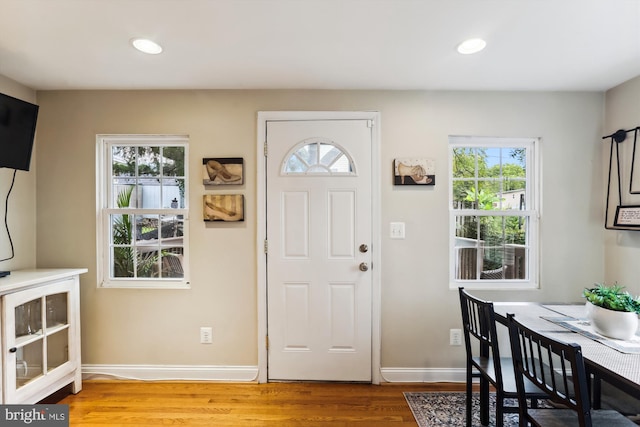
40	334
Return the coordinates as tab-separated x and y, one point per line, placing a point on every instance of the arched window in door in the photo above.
318	156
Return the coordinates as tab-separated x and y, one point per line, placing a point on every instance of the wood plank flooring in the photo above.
142	404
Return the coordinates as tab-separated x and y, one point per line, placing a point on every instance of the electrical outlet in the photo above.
206	335
455	337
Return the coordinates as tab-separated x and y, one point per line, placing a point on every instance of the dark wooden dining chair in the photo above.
484	361
558	369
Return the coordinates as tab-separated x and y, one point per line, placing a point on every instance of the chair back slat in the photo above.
557	368
479	328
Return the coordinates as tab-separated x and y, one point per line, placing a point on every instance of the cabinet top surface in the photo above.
20	279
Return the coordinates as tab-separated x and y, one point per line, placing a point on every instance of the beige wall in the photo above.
622	248
418	309
22	201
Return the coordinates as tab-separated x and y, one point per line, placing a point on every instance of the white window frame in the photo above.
103	195
532	211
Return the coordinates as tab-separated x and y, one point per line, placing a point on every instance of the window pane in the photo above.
463	194
294	164
149	193
124	194
328	154
466	263
492	162
172	226
464	162
121	229
309	153
174	193
172	263
123	161
342	165
147	262
122	261
513	200
146	228
148	161
173	161
504	262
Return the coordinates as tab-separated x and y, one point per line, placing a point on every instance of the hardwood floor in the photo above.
142	404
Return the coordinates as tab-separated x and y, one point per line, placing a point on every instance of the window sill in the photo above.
494	285
146	284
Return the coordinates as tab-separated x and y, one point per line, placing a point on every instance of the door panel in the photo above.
295	224
318	299
341	225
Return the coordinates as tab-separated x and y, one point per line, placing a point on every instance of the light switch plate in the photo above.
397	230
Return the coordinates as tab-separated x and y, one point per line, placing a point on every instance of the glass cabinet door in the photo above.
29	318
28	341
37	336
28	363
57	349
56	314
57	335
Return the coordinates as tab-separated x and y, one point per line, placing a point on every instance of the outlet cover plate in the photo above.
455	336
206	335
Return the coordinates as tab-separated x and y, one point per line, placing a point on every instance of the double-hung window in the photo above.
493	212
143	211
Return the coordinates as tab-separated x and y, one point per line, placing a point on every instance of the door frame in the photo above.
261	224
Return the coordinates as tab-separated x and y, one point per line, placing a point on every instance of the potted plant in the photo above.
612	310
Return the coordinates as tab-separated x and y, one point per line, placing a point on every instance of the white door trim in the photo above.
263	118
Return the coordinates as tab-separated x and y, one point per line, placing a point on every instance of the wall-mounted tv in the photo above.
17	130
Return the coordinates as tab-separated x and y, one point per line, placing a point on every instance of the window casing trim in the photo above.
533	167
104	142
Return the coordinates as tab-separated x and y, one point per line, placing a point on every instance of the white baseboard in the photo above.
171	372
423	375
249	373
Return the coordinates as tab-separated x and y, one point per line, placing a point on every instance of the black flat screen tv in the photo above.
17	130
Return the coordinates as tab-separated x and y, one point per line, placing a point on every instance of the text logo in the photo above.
34	415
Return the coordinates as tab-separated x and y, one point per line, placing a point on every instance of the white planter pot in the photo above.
613	324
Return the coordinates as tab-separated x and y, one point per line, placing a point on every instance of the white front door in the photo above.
318	216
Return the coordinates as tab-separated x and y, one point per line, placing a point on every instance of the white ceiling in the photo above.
572	45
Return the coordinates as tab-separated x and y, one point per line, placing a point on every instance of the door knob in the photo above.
363	266
364	248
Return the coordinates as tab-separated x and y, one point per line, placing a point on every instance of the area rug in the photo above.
448	409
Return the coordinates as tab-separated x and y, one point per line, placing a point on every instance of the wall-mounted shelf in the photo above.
627	210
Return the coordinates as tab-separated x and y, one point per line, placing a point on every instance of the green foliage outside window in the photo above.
124	257
476	185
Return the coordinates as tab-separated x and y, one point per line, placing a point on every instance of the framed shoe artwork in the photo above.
414	171
223	171
223	207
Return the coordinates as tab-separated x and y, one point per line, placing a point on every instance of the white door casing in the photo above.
322	310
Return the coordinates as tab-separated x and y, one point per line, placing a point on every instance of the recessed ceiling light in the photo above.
147	46
470	46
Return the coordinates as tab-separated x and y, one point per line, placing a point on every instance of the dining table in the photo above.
615	361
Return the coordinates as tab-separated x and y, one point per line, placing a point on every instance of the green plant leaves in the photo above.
612	297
